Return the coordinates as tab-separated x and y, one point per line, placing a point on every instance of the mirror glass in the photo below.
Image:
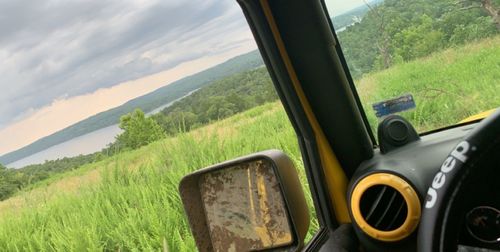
244	208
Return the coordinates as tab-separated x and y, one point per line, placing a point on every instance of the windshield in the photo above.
433	62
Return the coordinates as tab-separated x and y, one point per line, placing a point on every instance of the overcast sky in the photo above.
337	7
63	61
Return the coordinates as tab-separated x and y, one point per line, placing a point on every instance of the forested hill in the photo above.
218	100
147	103
398	31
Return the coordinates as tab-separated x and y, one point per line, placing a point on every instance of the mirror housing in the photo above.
253	203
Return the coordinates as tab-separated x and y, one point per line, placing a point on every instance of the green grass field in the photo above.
447	86
130	201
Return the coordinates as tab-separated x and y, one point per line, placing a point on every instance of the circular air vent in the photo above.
385	207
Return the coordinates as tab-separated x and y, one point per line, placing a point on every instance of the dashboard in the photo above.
417	163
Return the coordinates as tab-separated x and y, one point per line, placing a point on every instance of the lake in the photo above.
84	144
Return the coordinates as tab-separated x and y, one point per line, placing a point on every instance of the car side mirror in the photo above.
253	203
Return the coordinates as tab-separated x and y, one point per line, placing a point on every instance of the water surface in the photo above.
84	144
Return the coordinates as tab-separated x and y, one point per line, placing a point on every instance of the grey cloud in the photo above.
71	48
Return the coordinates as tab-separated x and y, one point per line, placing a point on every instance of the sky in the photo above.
337	7
63	61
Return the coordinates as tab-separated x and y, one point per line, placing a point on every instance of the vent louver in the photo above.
383	208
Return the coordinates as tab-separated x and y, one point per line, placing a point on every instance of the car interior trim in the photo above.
335	177
404	188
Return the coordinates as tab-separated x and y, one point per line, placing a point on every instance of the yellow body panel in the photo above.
478	116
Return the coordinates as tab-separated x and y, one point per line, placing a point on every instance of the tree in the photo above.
491	7
383	38
139	130
418	40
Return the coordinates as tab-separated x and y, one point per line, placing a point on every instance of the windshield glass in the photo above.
433	62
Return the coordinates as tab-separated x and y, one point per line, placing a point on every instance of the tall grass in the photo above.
448	86
135	204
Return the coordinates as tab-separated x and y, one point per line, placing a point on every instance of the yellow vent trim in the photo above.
409	195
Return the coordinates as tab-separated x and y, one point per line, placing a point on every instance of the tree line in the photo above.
398	31
12	180
221	99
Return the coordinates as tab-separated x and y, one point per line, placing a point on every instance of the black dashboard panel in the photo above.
417	163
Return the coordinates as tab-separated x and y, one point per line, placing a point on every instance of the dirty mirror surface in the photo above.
244	208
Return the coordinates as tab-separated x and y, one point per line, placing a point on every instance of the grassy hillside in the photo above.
146	102
130	201
447	86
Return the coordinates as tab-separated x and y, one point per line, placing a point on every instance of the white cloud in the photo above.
65	111
60	47
57	54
